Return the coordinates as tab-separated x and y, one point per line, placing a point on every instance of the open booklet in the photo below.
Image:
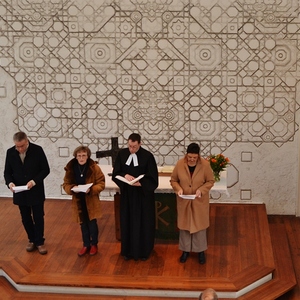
188	197
81	187
20	188
130	182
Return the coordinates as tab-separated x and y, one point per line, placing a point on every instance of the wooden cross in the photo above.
112	152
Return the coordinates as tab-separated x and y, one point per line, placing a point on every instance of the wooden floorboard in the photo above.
284	278
240	252
291	225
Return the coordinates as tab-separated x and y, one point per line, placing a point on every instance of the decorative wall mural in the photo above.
177	71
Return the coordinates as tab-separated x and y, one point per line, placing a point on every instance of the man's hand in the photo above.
129	177
11	185
30	184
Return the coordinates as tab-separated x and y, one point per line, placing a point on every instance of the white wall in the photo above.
221	73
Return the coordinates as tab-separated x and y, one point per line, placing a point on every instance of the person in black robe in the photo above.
137	203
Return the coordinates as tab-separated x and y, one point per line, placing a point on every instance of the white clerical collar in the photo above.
133	157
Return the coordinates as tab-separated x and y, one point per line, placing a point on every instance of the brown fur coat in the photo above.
94	175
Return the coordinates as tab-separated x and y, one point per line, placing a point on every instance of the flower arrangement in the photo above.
218	163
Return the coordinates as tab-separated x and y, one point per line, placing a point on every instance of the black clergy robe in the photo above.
137	204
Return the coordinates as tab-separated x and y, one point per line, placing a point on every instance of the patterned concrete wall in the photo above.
221	73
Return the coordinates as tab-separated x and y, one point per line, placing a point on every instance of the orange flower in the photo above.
218	162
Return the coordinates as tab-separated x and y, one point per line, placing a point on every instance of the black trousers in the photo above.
33	222
89	228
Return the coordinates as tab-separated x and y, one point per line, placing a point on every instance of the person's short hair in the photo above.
82	149
20	136
209	294
135	137
193	148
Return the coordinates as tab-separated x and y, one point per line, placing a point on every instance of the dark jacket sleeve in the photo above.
35	168
43	169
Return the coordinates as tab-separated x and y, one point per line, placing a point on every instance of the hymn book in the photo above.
130	182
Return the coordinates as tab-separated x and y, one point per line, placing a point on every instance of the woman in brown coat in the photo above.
192	175
86	208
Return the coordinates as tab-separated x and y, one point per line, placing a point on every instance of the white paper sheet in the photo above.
188	197
130	182
20	188
81	187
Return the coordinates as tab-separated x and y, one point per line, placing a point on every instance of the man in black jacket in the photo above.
26	167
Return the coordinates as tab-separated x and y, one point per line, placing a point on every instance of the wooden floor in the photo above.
245	246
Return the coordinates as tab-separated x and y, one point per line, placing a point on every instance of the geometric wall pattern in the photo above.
177	71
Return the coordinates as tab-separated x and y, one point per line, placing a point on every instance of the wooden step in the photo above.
284	278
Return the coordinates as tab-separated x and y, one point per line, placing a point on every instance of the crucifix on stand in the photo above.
110	153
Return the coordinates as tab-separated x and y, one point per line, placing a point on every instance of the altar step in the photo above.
283	279
248	258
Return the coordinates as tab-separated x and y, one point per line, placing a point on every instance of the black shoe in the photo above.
184	257
127	257
202	259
